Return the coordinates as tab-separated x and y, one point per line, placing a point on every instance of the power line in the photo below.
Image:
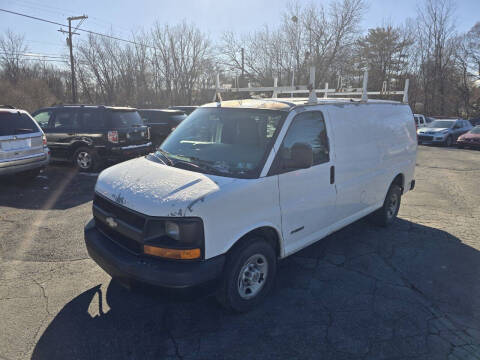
62	11
84	30
39	55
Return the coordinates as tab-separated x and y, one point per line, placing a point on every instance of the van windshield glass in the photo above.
125	118
442	124
228	142
16	123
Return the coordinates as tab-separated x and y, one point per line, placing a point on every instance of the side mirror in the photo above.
302	157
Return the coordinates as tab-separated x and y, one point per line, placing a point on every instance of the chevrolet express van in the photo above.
241	184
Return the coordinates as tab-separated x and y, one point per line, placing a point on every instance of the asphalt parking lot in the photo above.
409	291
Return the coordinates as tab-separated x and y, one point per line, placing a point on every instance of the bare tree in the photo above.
436	43
12	55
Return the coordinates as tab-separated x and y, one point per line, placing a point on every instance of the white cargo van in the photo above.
240	184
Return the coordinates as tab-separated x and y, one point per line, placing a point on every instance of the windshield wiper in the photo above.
162	156
196	164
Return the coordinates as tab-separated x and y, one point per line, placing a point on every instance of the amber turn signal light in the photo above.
172	253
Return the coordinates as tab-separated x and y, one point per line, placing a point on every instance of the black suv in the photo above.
161	122
91	135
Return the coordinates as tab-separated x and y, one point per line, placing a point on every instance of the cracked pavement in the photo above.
409	291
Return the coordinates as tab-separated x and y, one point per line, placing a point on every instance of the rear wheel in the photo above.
249	275
388	212
85	159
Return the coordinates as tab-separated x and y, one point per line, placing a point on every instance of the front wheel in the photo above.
85	159
388	212
249	275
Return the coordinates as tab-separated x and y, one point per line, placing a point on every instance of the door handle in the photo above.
332	174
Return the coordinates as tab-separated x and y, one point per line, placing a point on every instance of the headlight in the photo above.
172	230
445	131
178	238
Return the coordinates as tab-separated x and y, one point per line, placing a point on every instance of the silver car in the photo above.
23	145
443	131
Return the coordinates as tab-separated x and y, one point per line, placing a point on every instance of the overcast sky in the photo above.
211	16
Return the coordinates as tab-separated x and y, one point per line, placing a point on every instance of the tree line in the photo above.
178	64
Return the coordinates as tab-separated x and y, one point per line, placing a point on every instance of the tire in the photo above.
242	286
449	141
85	159
388	212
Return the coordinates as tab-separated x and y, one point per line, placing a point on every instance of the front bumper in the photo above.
431	139
122	264
473	144
24	164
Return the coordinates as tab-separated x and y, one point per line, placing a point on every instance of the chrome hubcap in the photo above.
84	160
252	276
392	206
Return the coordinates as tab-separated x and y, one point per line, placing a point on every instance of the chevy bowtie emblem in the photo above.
111	222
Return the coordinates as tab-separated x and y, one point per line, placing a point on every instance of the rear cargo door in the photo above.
20	137
130	127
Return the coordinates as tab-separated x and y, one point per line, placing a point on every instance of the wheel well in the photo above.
77	145
400	181
266	232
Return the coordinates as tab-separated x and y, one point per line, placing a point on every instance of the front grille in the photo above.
119	235
128	216
118	238
424	137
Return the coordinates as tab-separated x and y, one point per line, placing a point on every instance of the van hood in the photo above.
155	189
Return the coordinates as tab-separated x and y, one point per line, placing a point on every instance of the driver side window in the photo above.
306	128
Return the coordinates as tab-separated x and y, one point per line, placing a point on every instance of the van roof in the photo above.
286	104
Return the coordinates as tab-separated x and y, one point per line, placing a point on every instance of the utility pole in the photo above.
70	45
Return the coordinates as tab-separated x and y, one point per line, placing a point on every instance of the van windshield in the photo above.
227	142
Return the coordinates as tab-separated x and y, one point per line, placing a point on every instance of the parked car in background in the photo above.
161	122
420	121
241	184
23	146
470	139
187	109
91	135
475	121
443	131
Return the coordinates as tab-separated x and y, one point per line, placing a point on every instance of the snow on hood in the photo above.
155	189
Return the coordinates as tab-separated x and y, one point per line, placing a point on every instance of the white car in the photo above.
23	146
240	184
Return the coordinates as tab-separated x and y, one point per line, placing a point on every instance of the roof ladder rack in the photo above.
310	89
